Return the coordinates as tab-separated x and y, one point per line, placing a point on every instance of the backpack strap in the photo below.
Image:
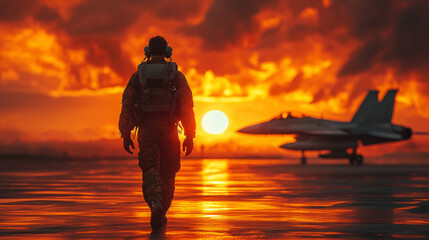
171	75
172	70
142	75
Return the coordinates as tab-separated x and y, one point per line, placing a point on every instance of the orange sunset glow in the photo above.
266	76
64	66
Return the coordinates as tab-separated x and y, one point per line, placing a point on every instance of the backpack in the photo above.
157	86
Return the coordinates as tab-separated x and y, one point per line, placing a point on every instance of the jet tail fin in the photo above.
371	111
367	107
386	106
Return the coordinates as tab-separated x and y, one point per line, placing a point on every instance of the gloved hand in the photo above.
127	143
188	145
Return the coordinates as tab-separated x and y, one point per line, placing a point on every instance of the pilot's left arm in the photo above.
127	120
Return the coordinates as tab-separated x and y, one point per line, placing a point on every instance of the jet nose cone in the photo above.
254	129
244	130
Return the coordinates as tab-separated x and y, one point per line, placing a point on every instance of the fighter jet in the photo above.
371	124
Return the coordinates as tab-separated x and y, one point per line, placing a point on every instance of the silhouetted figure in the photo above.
155	99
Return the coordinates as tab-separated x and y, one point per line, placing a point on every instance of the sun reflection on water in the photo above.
215	177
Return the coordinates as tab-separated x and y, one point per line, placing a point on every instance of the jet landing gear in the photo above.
355	158
303	159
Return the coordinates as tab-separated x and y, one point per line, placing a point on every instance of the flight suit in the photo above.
159	155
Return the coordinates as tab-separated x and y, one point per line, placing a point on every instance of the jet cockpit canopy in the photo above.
289	115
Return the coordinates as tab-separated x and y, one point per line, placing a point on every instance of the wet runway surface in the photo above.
215	199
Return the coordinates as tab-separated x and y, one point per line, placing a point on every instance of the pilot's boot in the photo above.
157	215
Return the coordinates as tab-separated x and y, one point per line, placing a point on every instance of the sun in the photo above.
215	122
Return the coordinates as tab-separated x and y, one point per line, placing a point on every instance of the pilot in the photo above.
155	99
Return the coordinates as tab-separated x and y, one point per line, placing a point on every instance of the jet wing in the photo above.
326	132
319	144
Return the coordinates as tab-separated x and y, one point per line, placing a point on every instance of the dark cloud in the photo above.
405	48
172	9
13	11
110	17
409	41
363	17
47	15
105	51
100	17
227	21
362	58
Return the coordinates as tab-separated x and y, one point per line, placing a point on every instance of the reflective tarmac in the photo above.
215	199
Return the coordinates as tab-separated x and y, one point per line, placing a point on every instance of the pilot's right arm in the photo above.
186	106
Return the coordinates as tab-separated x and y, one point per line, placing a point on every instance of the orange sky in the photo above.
63	65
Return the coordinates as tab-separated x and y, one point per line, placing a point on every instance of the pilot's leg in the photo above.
170	165
149	162
167	189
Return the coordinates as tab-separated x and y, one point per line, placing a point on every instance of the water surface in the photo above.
215	199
